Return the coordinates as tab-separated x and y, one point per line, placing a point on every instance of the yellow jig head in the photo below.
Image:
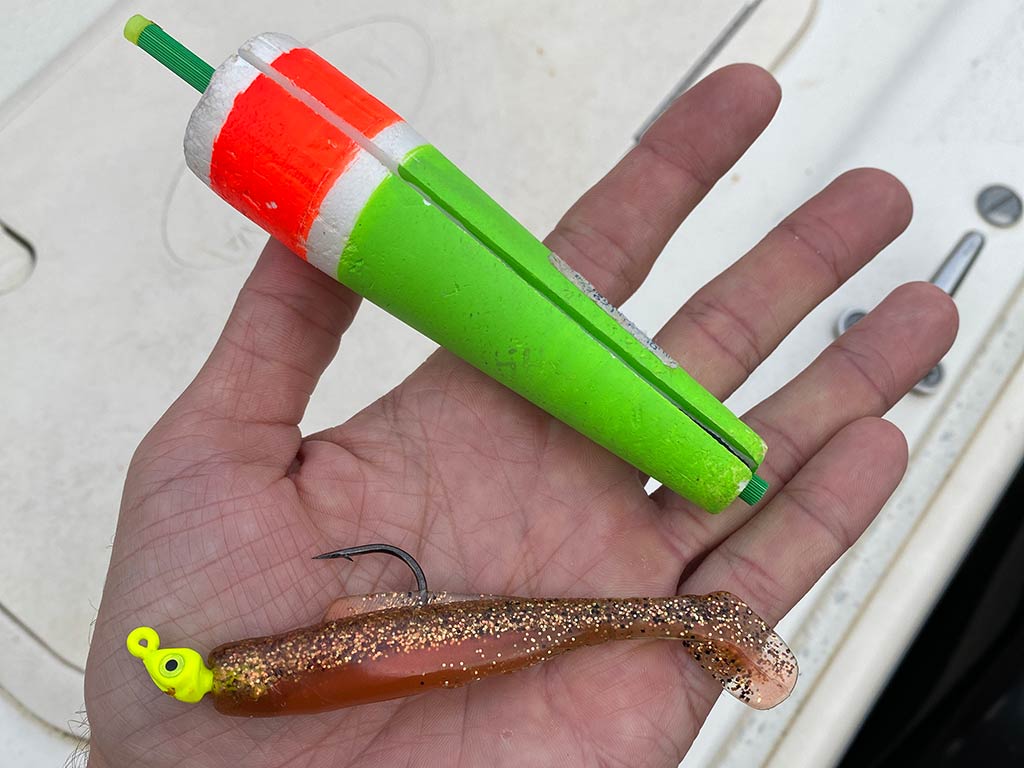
178	672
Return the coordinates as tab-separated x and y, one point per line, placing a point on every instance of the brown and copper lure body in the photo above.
378	647
401	651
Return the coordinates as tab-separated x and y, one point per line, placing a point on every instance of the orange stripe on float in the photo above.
343	97
274	160
321	80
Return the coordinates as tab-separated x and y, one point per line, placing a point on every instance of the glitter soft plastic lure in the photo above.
353	189
385	646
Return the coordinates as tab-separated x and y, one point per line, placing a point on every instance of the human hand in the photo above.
225	501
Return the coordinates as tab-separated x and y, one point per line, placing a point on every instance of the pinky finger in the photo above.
777	556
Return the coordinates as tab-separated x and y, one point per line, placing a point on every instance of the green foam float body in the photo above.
332	172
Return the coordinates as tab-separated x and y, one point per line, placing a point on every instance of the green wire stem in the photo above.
168	51
755	490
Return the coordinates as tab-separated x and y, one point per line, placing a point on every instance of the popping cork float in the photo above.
345	183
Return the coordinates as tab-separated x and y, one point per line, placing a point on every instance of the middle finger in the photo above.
724	331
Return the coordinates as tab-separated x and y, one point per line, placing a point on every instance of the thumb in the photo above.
281	334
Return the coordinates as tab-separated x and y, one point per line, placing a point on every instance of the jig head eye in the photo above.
179	672
172	665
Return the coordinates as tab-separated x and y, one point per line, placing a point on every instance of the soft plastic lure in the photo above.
385	646
350	187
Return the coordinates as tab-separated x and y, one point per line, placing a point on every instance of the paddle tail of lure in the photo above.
408	649
349	186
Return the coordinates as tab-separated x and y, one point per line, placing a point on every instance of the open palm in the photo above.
226	502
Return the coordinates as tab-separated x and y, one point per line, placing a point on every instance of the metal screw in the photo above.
999	205
931	381
848	319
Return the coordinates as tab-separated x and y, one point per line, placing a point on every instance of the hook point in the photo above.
387	549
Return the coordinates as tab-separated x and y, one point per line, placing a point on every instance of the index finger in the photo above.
617	229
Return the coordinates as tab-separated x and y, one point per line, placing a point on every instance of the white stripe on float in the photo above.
268	46
398	140
340	209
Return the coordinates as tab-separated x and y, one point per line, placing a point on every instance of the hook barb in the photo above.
387	549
